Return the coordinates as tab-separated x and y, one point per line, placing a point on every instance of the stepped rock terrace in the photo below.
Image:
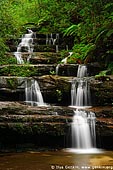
22	124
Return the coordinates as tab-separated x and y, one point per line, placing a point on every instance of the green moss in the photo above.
15	70
7	60
12	83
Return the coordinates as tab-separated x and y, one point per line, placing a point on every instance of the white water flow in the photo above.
80	94
83	124
52	39
83	132
19	58
33	94
82	71
63	61
27	44
80	90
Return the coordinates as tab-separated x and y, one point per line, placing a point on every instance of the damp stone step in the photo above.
27	69
52	42
40	57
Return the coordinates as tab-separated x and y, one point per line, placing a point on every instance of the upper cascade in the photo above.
80	90
82	71
27	44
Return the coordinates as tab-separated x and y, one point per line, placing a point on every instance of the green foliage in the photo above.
94	33
80	52
72	30
3	49
13	70
64	54
90	22
110	67
52	72
12	83
5	59
102	74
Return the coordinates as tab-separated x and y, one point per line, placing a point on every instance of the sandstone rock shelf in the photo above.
26	122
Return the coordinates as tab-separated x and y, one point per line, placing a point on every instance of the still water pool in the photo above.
48	160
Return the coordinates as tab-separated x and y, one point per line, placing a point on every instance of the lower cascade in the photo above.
83	132
83	125
33	94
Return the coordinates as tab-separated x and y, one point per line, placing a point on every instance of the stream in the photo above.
47	160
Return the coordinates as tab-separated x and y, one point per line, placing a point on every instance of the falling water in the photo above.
52	39
57	69
33	94
83	124
82	71
80	94
27	44
19	58
83	132
64	61
80	90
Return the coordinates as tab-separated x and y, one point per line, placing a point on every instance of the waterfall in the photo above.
82	71
83	132
33	94
27	44
80	89
80	94
83	124
19	58
64	61
52	39
57	69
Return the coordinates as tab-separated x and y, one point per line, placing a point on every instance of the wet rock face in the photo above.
67	69
25	124
102	91
54	89
57	89
104	126
45	58
22	124
104	130
93	68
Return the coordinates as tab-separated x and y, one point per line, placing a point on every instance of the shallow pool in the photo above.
47	160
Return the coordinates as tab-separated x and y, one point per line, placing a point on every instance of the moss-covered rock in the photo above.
26	70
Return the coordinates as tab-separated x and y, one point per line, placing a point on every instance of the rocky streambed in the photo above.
48	126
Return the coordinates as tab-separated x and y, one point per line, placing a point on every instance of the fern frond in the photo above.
70	30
